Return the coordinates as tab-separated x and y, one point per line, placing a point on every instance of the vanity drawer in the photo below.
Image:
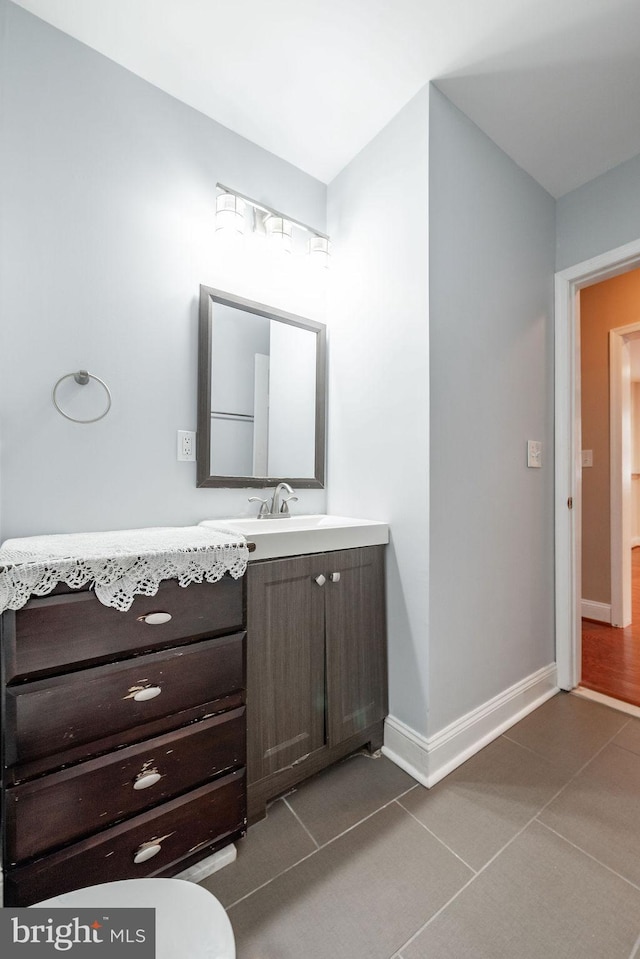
60	808
50	716
173	832
55	632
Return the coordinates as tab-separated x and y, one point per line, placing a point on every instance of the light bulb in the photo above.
279	233
230	211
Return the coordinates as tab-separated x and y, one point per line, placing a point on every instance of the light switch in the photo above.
534	454
587	457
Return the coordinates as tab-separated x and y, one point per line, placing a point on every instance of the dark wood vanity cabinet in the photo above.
316	665
124	741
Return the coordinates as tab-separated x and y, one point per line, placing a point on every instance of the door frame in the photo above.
568	466
620	471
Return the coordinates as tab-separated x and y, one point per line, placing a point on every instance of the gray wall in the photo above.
109	196
599	216
491	245
379	377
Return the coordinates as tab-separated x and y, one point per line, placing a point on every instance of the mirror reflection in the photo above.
261	395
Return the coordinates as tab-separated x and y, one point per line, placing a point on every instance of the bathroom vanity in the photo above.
316	665
316	649
137	742
124	735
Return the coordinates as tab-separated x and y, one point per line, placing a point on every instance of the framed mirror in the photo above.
261	395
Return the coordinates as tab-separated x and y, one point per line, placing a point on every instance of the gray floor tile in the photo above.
600	811
270	846
568	729
540	899
359	897
629	737
341	796
486	801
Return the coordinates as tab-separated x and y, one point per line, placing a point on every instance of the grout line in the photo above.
534	752
269	881
624	749
315	851
436	837
635	952
295	814
534	818
588	854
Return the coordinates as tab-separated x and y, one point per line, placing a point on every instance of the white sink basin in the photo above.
295	535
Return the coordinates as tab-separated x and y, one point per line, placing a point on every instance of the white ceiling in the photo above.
556	83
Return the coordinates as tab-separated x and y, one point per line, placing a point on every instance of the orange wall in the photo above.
603	307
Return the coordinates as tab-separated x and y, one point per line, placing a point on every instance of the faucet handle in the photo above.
285	503
264	509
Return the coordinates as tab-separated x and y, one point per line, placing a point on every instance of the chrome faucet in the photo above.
279	507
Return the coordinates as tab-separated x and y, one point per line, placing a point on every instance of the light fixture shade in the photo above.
230	213
320	250
279	233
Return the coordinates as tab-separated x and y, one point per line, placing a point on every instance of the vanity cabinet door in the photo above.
356	641
285	664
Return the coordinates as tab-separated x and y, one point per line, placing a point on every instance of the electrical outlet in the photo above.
587	457
186	446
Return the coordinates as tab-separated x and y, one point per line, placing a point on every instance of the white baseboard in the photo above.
430	759
601	612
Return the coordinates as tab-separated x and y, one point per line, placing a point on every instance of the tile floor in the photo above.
530	850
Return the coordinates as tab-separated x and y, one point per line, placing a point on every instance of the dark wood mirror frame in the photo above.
208	298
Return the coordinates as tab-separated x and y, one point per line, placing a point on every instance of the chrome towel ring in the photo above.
82	377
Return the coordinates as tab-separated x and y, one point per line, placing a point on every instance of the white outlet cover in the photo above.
186	446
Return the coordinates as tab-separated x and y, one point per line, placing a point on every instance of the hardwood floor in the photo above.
611	656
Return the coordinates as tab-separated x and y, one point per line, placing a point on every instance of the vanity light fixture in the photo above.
230	213
279	233
320	250
234	211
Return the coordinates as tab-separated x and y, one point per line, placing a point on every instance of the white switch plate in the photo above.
186	446
587	457
534	454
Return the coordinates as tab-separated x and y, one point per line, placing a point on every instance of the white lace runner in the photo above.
118	564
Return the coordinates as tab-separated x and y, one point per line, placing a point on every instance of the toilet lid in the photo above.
189	920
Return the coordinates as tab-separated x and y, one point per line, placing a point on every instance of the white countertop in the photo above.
295	535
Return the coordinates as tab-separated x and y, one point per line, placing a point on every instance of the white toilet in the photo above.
189	920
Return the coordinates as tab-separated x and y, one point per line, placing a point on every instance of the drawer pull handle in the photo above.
147	851
335	577
145	779
321	579
145	694
154	619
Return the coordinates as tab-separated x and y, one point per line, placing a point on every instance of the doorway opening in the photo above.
610	629
568	451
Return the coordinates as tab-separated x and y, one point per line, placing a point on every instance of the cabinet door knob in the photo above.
147	851
149	693
154	619
146	778
335	577
321	580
